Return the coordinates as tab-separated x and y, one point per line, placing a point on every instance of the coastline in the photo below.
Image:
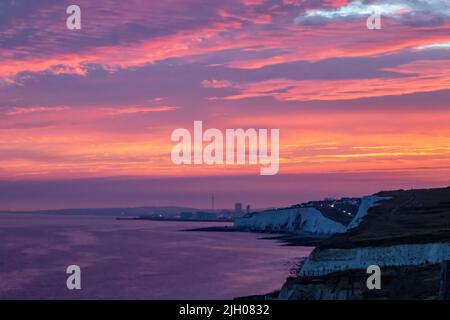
286	239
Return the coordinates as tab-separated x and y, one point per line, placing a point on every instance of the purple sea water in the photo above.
131	259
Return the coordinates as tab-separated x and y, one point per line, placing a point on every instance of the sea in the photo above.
136	259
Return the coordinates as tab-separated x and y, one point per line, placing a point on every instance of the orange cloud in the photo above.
310	143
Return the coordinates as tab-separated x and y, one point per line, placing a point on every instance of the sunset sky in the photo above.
86	115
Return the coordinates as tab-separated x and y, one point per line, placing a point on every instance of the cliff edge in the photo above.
405	233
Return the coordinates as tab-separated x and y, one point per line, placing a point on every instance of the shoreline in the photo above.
286	239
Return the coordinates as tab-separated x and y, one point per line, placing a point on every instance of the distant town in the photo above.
342	210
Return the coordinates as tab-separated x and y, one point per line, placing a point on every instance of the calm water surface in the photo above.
135	259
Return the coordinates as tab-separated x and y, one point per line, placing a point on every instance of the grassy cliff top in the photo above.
409	216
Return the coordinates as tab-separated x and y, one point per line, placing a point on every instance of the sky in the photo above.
86	115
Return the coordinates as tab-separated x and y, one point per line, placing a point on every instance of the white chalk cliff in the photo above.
290	220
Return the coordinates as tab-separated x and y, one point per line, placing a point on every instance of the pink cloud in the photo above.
20	110
290	42
252	2
422	76
131	110
181	44
216	84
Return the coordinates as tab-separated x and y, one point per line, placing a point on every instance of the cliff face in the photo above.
323	262
290	220
405	233
366	204
406	282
